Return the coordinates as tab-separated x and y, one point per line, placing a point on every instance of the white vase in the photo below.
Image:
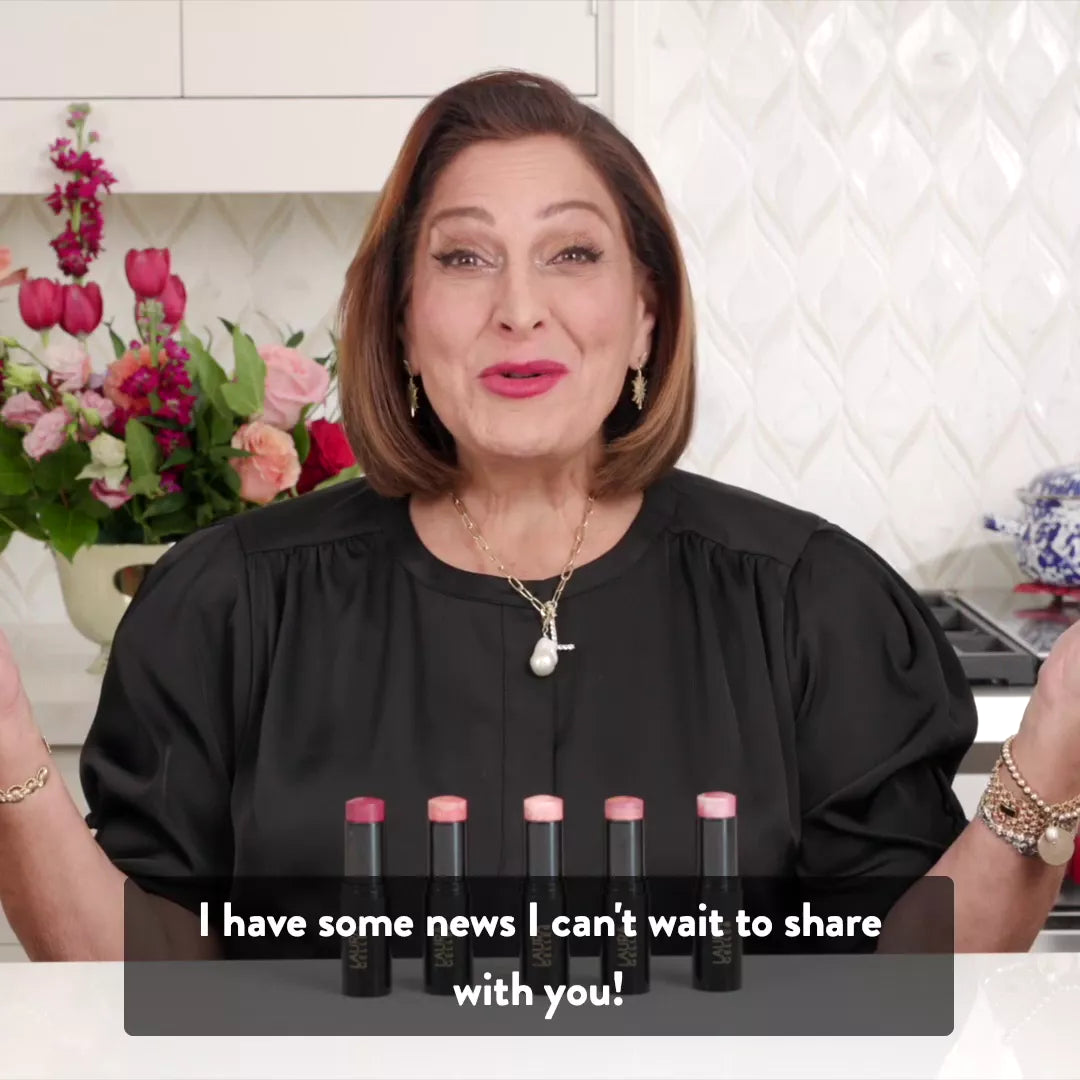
98	586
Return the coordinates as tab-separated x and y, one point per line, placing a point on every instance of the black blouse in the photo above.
280	662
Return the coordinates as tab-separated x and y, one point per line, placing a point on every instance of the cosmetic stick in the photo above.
447	957
718	960
365	957
625	891
543	954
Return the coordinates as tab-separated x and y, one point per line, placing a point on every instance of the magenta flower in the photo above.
169	482
41	303
82	309
174	299
147	271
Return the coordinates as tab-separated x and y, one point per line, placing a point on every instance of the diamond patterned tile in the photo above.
845	57
1026	54
937	287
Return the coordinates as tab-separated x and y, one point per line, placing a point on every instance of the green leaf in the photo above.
10	441
85	503
117	341
178	457
295	340
166	505
350	472
14	475
5	538
224	453
155	401
68	529
203	368
59	471
244	395
231	327
142	451
204	514
231	479
302	438
145	485
178	523
22	519
222	423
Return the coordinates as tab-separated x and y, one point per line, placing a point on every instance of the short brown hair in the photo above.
401	456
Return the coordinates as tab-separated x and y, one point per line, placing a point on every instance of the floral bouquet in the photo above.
163	442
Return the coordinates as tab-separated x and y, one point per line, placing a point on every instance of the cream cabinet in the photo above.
75	49
269	95
379	48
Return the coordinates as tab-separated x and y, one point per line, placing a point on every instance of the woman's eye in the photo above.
579	253
459	257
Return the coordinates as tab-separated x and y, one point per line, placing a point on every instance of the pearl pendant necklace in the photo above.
545	654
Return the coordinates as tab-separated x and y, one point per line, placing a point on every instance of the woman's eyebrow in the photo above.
480	214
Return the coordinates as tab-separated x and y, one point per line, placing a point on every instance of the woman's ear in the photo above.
403	338
646	324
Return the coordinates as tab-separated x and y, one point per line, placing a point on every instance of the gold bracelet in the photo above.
18	792
1034	827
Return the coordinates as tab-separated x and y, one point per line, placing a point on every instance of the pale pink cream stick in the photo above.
543	808
447	809
624	808
716	804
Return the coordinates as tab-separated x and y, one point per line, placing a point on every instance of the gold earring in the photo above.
637	389
414	396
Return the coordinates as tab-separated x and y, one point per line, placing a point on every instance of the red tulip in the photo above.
41	303
147	271
173	299
82	309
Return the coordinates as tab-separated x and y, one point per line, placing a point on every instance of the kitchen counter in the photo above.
1013	1016
53	659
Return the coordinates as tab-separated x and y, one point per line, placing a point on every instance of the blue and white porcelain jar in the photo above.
1047	537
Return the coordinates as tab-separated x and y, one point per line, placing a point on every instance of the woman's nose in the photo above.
520	305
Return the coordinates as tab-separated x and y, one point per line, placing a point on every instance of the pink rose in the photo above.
292	381
21	408
47	435
273	466
69	363
111	497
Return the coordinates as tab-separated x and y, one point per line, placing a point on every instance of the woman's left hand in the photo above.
1047	747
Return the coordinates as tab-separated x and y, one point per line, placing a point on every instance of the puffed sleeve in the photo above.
157	764
884	715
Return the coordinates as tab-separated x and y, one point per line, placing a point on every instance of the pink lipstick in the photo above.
718	960
447	957
365	959
544	956
624	891
522	380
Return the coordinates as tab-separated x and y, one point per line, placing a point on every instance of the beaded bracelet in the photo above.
1035	827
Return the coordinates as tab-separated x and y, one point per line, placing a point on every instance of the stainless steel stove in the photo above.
1002	635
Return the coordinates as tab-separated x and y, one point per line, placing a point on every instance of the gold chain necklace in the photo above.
545	654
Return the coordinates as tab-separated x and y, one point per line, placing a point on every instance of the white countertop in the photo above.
53	659
1014	1014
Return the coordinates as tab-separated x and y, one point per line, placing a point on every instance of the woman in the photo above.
523	595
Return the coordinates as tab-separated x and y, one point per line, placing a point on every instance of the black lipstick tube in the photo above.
365	957
447	957
544	955
625	891
718	959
